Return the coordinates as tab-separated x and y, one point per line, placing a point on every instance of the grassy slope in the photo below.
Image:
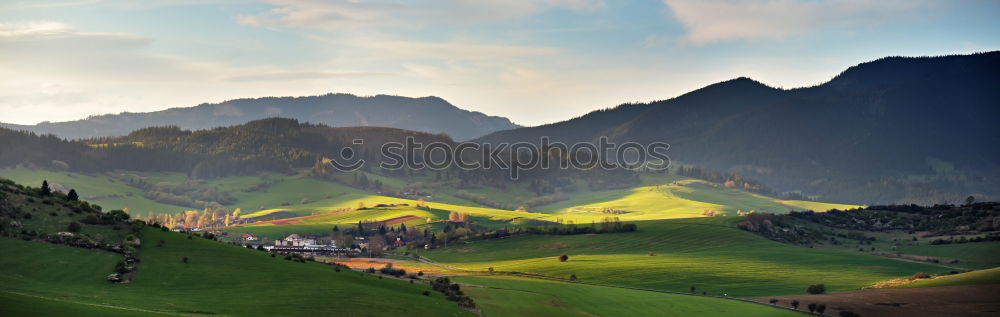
218	279
709	253
988	276
301	195
667	197
977	255
528	297
678	198
89	187
12	304
56	217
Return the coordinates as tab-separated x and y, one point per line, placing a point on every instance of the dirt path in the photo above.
960	300
100	305
292	220
399	220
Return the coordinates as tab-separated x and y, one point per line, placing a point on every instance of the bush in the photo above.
563	258
74	227
816	289
921	275
795	304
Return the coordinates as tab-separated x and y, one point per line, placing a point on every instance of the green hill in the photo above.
176	273
216	279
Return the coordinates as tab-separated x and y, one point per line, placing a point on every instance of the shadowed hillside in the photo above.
427	114
891	130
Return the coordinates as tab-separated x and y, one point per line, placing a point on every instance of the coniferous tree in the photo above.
45	190
72	195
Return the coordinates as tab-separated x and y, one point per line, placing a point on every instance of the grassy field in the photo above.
217	279
530	297
709	253
675	197
660	197
100	189
977	255
987	276
13	304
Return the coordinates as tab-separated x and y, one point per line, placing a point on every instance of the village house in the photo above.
295	240
295	244
248	237
361	242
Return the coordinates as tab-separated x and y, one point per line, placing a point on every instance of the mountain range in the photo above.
426	114
897	129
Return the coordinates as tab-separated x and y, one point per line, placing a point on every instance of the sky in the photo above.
533	61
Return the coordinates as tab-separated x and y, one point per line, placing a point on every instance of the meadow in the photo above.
276	196
673	255
976	255
510	296
98	188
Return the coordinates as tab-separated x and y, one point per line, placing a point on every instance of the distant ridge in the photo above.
426	114
897	129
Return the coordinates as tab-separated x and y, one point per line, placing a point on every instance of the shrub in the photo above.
816	289
563	257
73	227
184	259
921	275
812	307
820	308
773	301
427	293
795	304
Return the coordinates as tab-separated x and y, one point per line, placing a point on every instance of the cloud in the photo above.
459	51
52	71
300	75
339	15
16	30
709	21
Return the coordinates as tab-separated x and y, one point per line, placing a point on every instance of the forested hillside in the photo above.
427	114
892	130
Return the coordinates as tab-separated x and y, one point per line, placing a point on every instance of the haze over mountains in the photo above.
426	114
897	129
